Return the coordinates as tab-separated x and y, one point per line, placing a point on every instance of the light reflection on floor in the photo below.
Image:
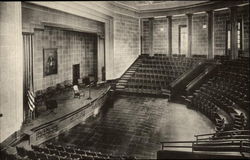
135	126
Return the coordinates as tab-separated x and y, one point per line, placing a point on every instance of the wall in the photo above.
220	19
160	36
200	37
126	43
72	48
176	22
11	70
244	14
145	38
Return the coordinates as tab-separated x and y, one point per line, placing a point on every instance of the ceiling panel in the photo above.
151	5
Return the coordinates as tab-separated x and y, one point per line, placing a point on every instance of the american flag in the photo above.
31	100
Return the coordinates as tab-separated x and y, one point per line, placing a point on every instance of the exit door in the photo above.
76	73
183	40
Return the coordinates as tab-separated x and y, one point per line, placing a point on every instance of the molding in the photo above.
69	27
122	5
74	8
191	9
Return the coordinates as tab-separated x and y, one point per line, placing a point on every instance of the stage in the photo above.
69	112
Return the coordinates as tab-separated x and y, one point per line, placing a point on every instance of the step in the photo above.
122	81
125	78
217	148
130	71
120	87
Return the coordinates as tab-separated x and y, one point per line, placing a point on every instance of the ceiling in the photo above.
154	5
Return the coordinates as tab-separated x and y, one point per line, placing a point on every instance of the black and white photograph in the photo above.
124	80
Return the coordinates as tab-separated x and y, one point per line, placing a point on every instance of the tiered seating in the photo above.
154	73
58	152
227	90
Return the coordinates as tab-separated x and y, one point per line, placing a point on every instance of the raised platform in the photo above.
70	111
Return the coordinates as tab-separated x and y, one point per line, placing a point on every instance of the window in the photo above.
239	35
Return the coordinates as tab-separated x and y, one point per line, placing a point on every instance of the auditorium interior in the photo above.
124	80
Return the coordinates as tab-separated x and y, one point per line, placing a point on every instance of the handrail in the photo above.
182	76
130	66
198	78
222	132
213	141
193	143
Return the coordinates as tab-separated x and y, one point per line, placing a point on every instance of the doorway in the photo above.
76	73
183	40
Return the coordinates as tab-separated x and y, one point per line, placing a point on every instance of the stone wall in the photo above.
200	33
72	48
126	43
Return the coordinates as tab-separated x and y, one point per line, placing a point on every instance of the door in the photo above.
183	40
76	73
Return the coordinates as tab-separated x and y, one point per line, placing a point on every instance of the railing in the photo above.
164	144
234	145
215	145
198	79
184	75
240	133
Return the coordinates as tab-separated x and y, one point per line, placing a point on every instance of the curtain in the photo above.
28	73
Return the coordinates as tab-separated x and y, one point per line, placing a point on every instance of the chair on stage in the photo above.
76	91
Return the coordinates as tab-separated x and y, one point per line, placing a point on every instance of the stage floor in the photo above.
136	126
66	103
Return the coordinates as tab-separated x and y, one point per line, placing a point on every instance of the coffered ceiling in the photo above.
155	5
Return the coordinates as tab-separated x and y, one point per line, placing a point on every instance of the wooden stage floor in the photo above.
66	104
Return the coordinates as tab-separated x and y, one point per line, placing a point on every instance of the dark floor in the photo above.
135	126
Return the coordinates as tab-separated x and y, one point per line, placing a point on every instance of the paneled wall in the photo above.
72	48
200	31
126	43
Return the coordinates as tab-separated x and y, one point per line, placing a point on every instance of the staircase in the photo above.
152	75
122	82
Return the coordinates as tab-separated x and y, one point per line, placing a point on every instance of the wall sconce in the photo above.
161	29
204	26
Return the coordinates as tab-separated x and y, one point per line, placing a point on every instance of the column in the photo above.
190	28
233	20
141	36
11	72
210	29
151	40
169	35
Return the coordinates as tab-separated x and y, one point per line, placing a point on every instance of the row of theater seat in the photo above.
227	90
155	73
58	152
208	108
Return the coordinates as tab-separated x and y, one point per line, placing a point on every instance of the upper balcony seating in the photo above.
227	90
